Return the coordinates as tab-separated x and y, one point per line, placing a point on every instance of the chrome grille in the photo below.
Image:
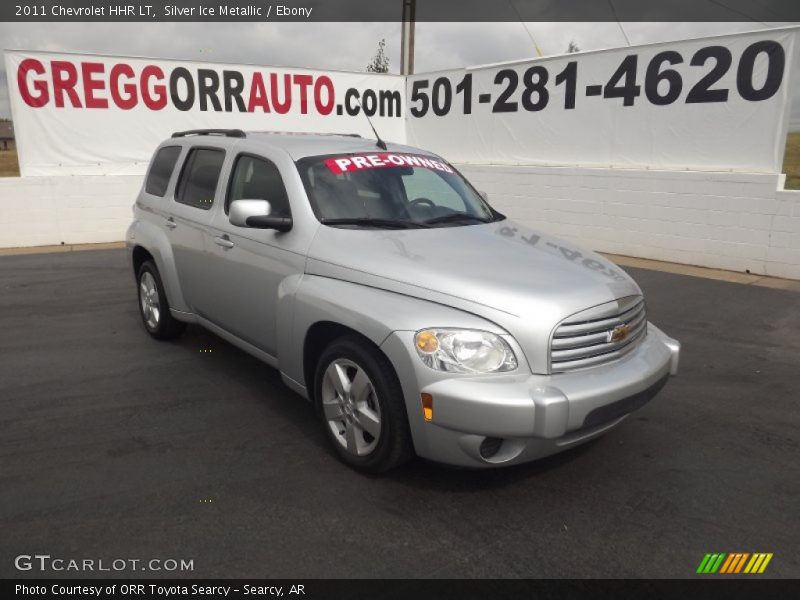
586	339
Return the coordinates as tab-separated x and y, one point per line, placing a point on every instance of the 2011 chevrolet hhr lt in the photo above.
386	290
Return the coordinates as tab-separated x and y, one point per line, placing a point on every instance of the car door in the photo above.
189	220
247	265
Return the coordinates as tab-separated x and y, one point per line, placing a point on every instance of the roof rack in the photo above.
235	133
355	135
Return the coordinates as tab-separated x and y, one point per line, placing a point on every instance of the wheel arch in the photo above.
139	256
318	337
151	243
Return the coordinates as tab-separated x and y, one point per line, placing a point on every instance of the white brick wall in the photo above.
783	253
723	220
41	211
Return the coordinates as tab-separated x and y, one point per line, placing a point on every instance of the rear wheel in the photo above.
362	406
153	305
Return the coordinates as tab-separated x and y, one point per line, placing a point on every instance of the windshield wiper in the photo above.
373	222
454	218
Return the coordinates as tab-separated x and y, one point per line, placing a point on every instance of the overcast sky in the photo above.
346	46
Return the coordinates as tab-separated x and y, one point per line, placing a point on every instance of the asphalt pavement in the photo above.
113	445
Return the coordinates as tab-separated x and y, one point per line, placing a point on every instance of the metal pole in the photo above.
407	37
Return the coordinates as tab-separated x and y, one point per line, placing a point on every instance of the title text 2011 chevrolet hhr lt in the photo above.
415	317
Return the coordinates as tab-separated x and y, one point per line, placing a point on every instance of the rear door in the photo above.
195	194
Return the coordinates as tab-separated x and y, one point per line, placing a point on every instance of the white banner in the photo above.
719	103
89	114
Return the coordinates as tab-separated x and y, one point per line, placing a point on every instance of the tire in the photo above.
153	305
374	391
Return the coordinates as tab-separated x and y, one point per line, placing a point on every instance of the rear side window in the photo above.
199	177
161	170
258	179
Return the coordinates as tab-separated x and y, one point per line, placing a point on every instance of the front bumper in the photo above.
526	416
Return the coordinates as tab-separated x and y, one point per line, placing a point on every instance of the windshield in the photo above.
390	190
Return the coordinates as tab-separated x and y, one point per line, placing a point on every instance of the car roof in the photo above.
300	145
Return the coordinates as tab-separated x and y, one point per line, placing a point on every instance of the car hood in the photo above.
488	269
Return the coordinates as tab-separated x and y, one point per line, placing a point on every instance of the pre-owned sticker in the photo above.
361	162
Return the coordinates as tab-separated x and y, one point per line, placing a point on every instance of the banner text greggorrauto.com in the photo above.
95	85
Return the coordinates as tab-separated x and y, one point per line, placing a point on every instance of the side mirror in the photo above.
484	195
256	214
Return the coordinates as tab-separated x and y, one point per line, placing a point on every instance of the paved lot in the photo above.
110	442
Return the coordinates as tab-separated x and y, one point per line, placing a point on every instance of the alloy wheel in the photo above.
148	297
351	408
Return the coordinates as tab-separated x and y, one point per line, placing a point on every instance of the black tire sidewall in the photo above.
393	446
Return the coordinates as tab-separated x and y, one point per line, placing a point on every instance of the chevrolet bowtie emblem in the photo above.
619	333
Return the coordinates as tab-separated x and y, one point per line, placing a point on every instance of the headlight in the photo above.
464	351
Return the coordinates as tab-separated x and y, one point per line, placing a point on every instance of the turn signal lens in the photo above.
427	342
427	406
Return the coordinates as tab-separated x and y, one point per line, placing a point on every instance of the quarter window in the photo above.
258	179
161	170
199	178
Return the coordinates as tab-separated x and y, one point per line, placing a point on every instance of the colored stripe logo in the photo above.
735	562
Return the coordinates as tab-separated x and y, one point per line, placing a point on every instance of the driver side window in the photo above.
425	183
258	179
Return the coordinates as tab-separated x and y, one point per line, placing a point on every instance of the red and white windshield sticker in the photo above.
362	162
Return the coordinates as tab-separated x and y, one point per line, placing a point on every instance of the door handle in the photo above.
171	224
224	241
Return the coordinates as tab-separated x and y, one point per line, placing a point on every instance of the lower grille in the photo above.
598	335
609	412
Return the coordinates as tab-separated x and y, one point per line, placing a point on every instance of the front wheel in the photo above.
153	305
362	406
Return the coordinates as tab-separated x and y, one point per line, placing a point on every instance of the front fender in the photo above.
372	312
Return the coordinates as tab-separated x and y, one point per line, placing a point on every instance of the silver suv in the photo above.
387	291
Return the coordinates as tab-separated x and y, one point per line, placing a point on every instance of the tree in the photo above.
380	62
573	47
